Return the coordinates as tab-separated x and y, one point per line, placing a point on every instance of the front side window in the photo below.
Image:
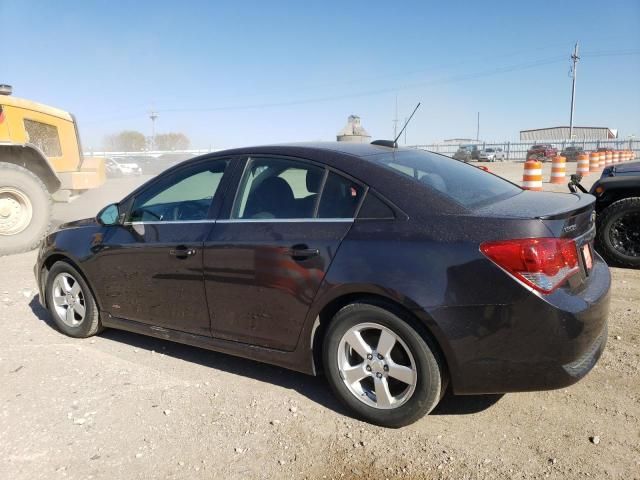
43	136
185	195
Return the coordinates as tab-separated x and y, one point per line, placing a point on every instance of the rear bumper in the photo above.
539	343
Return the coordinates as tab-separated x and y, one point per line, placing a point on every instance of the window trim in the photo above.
328	169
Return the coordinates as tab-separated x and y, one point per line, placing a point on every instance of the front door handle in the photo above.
182	252
302	252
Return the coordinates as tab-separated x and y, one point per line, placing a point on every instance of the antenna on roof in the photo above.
406	123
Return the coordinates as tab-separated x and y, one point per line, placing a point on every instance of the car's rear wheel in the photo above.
619	232
71	302
380	366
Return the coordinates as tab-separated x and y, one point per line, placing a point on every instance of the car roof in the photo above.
348	148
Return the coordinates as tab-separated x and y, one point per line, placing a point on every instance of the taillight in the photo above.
542	263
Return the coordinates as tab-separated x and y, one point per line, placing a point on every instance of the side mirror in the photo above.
109	215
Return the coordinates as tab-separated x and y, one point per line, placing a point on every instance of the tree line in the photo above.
133	141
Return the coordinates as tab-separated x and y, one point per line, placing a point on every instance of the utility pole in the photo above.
395	120
478	129
153	116
574	74
405	132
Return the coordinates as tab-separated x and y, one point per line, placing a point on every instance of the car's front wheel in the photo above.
71	302
381	367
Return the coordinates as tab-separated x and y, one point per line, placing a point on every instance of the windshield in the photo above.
465	184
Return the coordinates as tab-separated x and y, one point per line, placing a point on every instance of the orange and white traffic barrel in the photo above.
558	169
532	177
594	161
615	156
583	165
608	157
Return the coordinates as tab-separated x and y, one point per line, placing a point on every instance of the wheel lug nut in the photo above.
379	375
380	357
386	368
368	368
369	357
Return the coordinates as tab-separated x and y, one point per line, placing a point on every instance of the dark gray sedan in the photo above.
397	273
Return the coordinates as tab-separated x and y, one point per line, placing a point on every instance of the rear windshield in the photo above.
465	184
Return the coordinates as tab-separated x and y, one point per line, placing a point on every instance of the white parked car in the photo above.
116	168
491	155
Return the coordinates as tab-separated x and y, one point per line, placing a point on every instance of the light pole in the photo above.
153	116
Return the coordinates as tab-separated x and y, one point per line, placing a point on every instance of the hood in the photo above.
626	168
85	222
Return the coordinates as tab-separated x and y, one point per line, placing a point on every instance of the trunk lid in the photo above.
564	214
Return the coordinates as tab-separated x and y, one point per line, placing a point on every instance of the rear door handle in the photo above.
301	252
182	252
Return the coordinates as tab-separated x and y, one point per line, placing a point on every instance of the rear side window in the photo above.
465	184
278	188
43	136
340	197
282	188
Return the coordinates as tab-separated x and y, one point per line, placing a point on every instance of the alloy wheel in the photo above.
69	300
377	366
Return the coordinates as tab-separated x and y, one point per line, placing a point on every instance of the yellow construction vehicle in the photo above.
40	161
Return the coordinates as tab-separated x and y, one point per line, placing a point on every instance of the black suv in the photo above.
617	195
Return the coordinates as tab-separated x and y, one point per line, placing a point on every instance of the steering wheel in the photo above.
189	211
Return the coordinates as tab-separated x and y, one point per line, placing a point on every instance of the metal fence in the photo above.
518	150
151	153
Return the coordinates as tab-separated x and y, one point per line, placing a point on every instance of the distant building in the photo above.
555	134
353	132
461	141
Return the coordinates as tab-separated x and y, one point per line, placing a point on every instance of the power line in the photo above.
442	81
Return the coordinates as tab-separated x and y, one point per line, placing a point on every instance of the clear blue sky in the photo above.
237	73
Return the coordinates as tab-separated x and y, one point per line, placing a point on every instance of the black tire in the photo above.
90	324
604	241
29	185
430	380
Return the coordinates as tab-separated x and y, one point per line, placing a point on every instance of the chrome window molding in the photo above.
169	222
246	220
285	220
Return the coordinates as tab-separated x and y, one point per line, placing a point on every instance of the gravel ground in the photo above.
122	406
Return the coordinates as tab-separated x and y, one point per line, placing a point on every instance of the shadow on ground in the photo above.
314	388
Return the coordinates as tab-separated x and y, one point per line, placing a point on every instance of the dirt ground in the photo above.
122	406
